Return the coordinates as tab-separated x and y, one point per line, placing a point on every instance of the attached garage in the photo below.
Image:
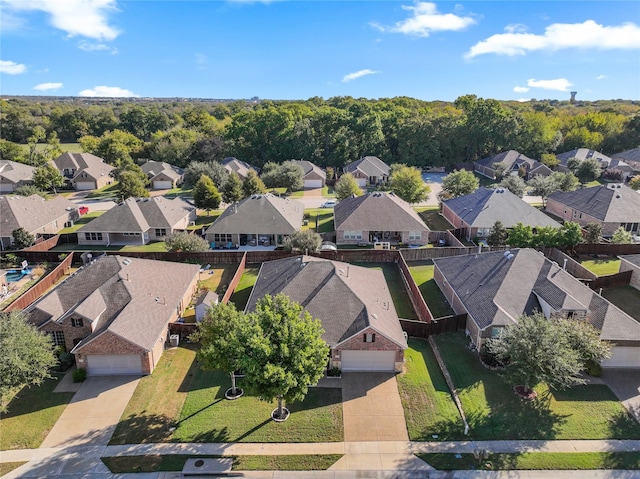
368	360
313	184
162	185
108	365
85	185
362	182
623	357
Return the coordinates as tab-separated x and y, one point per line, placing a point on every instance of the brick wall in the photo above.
635	272
72	334
357	343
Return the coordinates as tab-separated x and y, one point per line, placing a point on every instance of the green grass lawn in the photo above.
179	191
399	294
84	219
32	414
328	192
495	412
297	194
218	278
320	219
7	467
241	295
535	461
422	273
204	219
627	298
602	267
428	406
106	192
433	219
154	246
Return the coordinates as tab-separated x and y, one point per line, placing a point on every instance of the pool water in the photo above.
433	177
14	276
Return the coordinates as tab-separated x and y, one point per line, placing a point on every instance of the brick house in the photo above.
369	170
631	262
513	163
162	176
238	167
610	205
353	303
113	314
605	162
378	216
630	157
314	176
13	175
84	171
496	288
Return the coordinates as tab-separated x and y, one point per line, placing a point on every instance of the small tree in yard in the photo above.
347	186
570	234
552	351
131	185
588	170
543	186
26	355
594	232
285	352
22	238
520	236
206	195
232	189
514	184
407	183
634	183
186	242
622	236
252	184
48	177
498	235
303	240
460	183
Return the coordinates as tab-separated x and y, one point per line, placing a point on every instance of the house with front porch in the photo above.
84	171
353	303
259	220
378	217
137	221
369	171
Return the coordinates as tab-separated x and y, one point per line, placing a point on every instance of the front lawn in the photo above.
602	266
399	294
241	295
108	192
422	273
627	298
7	467
32	414
433	219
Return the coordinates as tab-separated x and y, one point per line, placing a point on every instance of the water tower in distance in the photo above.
573	97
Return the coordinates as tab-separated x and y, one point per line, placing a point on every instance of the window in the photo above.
93	236
130	234
222	237
496	331
57	337
415	235
370	338
161	232
579	314
76	322
354	235
632	227
482	232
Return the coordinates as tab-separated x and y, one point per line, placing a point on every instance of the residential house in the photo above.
514	163
258	220
314	176
378	216
113	314
611	205
630	157
369	170
631	262
606	163
138	221
207	300
84	171
240	168
13	175
477	212
353	303
162	176
36	215
495	289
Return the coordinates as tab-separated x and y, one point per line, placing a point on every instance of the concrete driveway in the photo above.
625	384
371	408
93	413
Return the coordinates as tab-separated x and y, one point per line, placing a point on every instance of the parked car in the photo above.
329	204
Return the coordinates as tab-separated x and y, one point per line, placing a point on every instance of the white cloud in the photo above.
358	74
559	36
48	86
523	100
12	68
108	92
601	77
426	19
520	89
96	47
85	18
560	84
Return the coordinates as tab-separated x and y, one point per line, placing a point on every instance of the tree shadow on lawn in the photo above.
143	429
624	426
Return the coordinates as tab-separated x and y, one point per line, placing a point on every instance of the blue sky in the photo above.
507	50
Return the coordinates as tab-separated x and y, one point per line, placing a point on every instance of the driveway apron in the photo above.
93	413
625	384
371	408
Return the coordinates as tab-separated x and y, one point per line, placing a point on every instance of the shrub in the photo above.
334	372
593	368
79	375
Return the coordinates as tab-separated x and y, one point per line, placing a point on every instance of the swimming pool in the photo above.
433	177
15	275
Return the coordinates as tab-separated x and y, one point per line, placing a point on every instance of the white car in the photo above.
329	204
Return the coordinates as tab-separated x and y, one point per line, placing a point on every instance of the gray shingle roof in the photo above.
370	166
634	259
16	172
377	211
346	298
93	166
496	291
308	167
154	168
31	212
266	213
511	159
482	208
628	155
239	167
586	153
610	203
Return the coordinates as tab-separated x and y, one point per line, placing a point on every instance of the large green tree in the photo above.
287	175
520	236
26	355
459	183
212	169
622	236
22	238
303	240
407	183
232	189
498	235
252	184
514	184
184	241
131	185
588	170
347	186
48	177
205	194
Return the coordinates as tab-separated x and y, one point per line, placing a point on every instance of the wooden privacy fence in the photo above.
611	280
420	329
44	245
570	265
417	300
608	249
235	280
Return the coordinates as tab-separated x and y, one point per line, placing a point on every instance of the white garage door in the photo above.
362	182
623	357
85	185
313	183
368	360
108	365
162	185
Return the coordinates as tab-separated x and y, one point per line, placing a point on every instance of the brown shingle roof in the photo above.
31	212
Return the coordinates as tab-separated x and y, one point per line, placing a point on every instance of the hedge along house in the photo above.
84	171
378	216
477	212
163	176
258	220
496	288
353	303
114	313
137	221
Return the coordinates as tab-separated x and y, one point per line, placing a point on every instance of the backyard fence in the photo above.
611	280
570	265
417	300
420	329
606	249
43	244
235	280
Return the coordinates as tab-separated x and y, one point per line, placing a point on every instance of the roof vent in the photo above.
618	195
618	186
506	253
510	257
374	316
126	262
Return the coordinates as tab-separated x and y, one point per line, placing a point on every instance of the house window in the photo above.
57	337
580	314
632	227
130	234
482	232
222	237
93	236
415	235
496	331
353	235
161	232
76	322
369	337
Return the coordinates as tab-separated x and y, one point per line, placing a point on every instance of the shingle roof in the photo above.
308	167
496	291
630	155
93	166
610	203
140	214
482	208
267	214
586	153
377	211
239	167
346	298
31	212
154	168
16	172
634	259
510	159
370	166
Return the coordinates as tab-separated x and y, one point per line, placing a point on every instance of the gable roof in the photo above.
121	294
140	214
308	168
496	290
15	172
610	203
377	211
629	155
31	212
264	213
483	207
586	153
369	166
511	159
346	298
239	167
155	168
93	166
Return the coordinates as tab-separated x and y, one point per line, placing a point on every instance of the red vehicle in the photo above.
83	210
